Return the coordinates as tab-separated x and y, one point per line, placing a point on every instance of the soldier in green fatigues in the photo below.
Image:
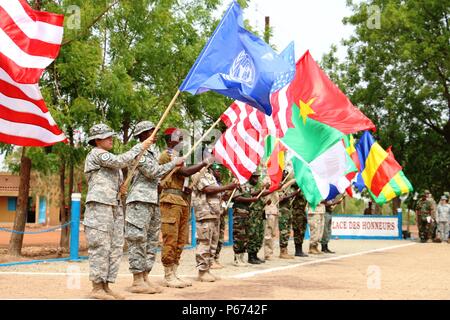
299	222
285	221
424	211
248	224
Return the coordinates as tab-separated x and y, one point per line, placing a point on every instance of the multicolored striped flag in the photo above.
29	41
381	173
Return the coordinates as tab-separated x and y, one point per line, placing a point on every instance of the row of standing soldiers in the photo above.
158	201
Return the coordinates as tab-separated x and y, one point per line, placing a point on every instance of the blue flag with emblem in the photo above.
237	64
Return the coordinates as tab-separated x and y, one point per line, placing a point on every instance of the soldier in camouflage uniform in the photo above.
424	214
143	219
174	206
103	217
299	221
316	219
248	222
329	208
271	212
285	221
207	204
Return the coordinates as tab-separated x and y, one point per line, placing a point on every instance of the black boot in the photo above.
253	259
325	249
299	251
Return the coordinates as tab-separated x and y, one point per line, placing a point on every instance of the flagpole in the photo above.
152	136
231	197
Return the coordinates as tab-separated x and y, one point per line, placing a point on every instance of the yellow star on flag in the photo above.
305	109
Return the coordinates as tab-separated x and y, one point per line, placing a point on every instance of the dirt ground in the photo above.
361	269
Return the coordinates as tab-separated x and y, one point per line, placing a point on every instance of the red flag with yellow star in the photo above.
322	115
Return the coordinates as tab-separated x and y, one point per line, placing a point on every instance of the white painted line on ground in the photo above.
237	276
254	273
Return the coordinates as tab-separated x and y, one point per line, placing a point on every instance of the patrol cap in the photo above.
142	127
99	131
444	197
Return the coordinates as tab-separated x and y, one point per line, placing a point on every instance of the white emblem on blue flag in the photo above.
243	69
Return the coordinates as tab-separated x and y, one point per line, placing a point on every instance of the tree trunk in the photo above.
64	240
37	5
267	30
16	241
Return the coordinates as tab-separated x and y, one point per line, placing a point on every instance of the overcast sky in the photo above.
312	24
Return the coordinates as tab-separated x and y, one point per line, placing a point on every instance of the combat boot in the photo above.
187	282
216	265
205	276
325	249
253	259
299	251
284	254
152	286
139	285
108	290
170	280
313	249
98	292
268	258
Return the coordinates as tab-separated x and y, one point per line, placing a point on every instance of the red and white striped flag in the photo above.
241	147
29	41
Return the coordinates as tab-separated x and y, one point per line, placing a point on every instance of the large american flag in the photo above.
29	41
241	147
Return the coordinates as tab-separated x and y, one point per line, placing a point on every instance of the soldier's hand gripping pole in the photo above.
149	141
258	196
231	197
192	149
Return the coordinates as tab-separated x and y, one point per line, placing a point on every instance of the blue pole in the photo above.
400	223
230	227
193	230
75	227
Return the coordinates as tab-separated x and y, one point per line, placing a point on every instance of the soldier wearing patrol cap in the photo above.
248	223
143	219
175	213
207	203
103	217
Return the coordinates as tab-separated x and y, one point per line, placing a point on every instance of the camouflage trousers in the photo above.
142	241
255	231
240	230
207	240
284	225
299	223
425	228
175	232
443	229
105	248
326	236
270	231
316	224
221	234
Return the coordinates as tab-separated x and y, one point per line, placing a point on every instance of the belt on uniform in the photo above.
175	191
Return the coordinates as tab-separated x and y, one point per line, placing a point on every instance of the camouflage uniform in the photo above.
241	215
443	216
326	236
285	220
207	213
255	224
143	219
271	213
221	233
316	223
424	209
174	205
299	218
103	217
